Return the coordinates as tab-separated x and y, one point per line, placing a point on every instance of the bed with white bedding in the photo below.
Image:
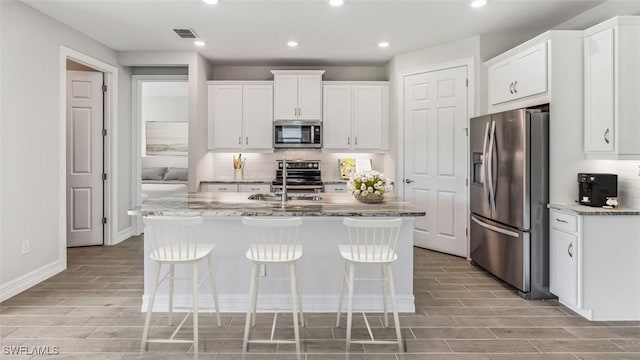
159	182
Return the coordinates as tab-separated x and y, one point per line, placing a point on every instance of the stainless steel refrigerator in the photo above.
509	192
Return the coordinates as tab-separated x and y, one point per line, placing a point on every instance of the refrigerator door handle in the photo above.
495	228
492	195
484	161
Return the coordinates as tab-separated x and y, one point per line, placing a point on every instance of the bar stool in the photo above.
171	245
273	241
371	242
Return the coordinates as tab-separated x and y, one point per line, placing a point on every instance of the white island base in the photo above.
319	269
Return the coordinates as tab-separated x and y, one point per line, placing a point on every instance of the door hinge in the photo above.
466	231
467	82
104	220
104	88
104	177
466	182
104	132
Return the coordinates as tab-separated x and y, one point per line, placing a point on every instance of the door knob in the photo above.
408	181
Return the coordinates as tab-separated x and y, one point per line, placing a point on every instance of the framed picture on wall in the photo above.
167	138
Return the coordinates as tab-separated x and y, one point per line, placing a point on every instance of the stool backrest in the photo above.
373	239
272	239
170	237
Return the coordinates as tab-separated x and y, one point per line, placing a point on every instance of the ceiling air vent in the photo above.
186	33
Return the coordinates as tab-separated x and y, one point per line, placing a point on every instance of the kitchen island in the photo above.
319	269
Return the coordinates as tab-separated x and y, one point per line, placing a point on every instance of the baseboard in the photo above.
24	282
123	235
311	304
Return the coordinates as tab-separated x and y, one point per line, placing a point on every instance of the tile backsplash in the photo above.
628	179
263	166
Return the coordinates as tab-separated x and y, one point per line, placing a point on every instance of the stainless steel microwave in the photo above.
295	134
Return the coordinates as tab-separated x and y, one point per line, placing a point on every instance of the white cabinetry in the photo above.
240	115
254	188
548	70
298	94
356	115
519	76
612	89
336	188
593	264
219	187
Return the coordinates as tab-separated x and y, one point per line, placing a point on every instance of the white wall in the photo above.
420	59
124	152
30	140
332	73
628	179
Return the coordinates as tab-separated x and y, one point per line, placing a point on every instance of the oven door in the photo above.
297	134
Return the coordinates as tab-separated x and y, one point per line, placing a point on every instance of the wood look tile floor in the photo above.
92	311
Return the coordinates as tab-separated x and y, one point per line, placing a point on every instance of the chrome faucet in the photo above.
284	182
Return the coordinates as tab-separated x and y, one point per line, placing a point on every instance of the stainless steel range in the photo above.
302	176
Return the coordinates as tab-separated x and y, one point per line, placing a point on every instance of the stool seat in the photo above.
378	254
163	254
274	253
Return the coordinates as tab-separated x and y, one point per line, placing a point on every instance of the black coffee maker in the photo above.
594	189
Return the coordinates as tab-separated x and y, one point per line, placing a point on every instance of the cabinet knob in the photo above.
562	221
515	87
247	140
606	136
511	88
348	140
239	140
355	140
570	250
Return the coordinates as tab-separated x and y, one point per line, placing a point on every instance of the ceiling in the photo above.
257	31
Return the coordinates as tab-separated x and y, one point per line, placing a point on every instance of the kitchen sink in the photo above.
275	197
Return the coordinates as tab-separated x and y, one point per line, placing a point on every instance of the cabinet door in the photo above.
531	71
255	188
563	266
599	92
337	117
501	78
258	117
336	188
219	187
368	114
225	116
286	97
309	97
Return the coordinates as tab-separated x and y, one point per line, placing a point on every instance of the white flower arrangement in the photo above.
369	183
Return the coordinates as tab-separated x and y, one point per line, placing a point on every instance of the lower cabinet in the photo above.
336	188
593	263
254	188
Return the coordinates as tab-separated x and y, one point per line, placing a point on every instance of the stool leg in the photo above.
171	276
392	290
302	323
147	321
252	290
214	288
350	307
384	297
254	299
342	276
195	307
294	301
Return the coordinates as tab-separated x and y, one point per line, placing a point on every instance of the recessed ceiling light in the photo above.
199	43
210	2
292	44
336	2
478	3
383	44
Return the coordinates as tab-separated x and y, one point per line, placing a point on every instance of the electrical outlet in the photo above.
26	247
263	270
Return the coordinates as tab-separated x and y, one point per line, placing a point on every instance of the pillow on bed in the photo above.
176	174
153	173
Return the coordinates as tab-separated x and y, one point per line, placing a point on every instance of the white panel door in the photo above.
435	118
258	116
310	97
285	97
501	78
531	71
337	117
599	92
84	158
225	112
368	112
563	266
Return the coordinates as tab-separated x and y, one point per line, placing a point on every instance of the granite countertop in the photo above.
238	204
236	181
589	210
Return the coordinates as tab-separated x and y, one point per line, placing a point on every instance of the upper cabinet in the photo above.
298	94
612	89
521	75
240	115
356	116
